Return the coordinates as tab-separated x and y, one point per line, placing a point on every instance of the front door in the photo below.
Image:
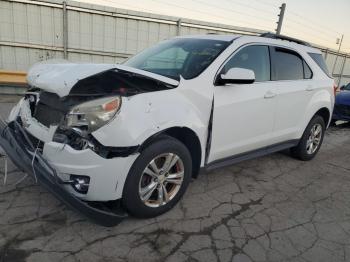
243	117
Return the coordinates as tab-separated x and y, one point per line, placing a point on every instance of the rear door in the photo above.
294	88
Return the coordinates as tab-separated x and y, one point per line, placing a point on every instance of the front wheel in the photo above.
158	178
311	140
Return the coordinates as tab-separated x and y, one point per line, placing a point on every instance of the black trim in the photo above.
274	50
283	37
19	148
250	155
217	77
210	127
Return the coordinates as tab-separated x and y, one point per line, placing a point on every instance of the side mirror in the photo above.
237	75
342	87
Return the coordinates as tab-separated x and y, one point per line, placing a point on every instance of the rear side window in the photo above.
255	57
287	65
320	62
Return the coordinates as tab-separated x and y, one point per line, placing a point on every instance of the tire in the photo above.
139	182
302	150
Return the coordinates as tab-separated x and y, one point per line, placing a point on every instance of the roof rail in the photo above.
283	37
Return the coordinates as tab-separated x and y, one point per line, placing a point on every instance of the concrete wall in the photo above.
32	31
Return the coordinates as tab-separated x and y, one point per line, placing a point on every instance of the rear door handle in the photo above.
269	94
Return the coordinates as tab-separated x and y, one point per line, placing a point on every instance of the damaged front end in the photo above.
49	127
25	156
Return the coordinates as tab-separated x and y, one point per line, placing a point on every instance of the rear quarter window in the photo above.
320	62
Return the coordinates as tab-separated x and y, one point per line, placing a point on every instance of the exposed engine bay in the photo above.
72	115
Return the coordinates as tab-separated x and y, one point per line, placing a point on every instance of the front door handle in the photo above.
269	94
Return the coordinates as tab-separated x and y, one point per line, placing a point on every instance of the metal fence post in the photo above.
178	27
342	70
65	30
326	54
336	57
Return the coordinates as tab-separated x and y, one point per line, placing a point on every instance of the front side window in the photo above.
255	57
186	57
288	65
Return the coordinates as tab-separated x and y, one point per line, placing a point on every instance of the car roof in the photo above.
227	38
232	37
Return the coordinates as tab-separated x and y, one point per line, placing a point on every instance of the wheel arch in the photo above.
188	137
325	114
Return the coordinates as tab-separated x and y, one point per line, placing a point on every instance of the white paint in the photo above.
246	116
239	74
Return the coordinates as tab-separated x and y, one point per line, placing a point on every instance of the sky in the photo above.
318	21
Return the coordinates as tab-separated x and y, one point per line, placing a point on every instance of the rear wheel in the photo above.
311	140
158	178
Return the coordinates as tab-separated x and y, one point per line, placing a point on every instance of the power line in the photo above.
313	22
182	7
135	8
249	6
266	3
307	33
232	10
209	14
314	28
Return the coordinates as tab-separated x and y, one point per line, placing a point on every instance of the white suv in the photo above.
138	132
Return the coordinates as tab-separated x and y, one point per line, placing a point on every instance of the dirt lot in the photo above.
274	208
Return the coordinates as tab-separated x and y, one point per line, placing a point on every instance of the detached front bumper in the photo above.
19	148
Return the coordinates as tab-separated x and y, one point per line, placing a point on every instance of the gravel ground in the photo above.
274	208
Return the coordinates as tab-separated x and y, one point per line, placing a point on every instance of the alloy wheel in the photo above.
314	140
161	180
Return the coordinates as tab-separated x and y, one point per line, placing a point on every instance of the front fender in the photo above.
141	116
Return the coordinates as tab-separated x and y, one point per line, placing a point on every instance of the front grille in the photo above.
46	107
342	109
47	115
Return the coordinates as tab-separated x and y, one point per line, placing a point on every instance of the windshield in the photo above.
187	57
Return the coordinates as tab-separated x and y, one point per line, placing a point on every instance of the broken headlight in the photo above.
94	114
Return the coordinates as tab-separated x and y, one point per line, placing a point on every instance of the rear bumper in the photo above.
21	151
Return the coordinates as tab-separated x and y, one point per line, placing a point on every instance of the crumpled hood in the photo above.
59	76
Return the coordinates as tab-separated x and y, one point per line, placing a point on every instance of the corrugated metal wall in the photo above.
32	31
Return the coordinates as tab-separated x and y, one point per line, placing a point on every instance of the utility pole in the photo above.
280	18
336	57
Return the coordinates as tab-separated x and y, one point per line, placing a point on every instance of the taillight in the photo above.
335	89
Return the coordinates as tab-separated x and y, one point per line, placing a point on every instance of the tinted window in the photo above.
307	71
187	57
255	58
288	65
320	62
